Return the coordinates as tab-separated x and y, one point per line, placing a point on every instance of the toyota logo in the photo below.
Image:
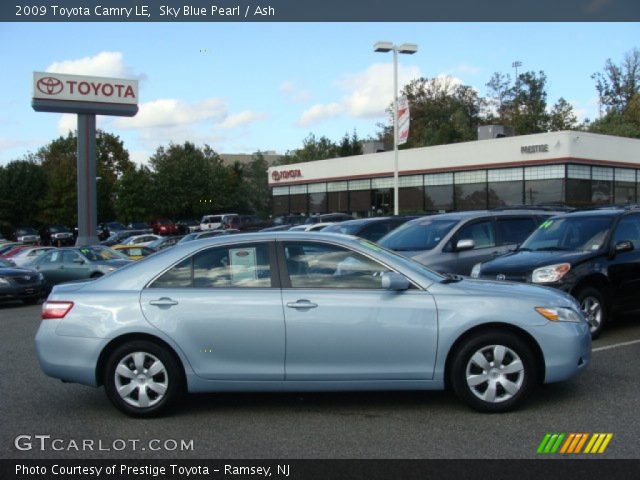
49	85
500	276
275	175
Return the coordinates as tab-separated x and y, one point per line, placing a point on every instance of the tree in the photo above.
22	185
529	104
441	112
562	116
499	102
349	145
312	149
134	200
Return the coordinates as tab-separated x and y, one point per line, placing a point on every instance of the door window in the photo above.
628	229
514	230
69	256
317	265
54	257
242	266
480	232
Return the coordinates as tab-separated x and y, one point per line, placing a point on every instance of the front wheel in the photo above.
494	371
143	379
594	309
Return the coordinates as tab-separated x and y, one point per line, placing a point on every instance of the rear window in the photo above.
212	219
423	234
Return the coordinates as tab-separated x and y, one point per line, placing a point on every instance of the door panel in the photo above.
359	333
624	268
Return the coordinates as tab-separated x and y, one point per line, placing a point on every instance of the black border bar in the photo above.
320	11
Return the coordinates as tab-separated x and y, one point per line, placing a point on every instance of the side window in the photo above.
53	257
480	232
69	256
628	229
316	265
224	267
375	231
514	230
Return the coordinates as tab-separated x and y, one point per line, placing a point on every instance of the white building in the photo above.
573	168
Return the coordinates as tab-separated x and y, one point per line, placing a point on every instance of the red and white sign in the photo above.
80	88
403	120
278	175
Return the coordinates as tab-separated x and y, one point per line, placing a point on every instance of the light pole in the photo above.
409	49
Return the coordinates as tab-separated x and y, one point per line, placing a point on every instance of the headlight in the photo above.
4	281
475	271
550	274
40	277
560	314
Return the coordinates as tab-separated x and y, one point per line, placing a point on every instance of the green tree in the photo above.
312	149
349	145
529	104
134	195
562	116
22	185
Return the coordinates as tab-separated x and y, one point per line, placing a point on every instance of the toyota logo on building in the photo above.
501	276
49	85
276	175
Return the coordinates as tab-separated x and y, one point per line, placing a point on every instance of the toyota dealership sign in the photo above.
80	88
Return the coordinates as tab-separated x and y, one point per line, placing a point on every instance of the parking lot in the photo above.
322	425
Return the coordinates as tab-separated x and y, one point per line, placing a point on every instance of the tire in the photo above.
594	308
96	275
162	389
476	386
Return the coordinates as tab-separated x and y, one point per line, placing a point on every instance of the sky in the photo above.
247	87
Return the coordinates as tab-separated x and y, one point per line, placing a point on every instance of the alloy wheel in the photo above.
592	309
495	373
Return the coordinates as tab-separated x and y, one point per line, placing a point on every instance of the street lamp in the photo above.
409	49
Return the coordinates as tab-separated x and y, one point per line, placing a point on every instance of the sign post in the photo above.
87	97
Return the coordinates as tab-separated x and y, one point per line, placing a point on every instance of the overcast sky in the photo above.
243	87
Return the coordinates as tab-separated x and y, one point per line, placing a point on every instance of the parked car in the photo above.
369	228
139	226
164	226
20	283
245	223
134	252
215	222
57	235
6	247
77	263
26	235
284	222
455	242
187	226
207	234
119	236
594	255
17	248
28	255
305	311
328	217
141	240
164	242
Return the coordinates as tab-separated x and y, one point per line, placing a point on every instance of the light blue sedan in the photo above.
293	311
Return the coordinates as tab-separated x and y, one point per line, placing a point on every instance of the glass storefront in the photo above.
574	184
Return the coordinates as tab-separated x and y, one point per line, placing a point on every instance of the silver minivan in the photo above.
455	242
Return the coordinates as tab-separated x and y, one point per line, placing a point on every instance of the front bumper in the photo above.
566	348
22	292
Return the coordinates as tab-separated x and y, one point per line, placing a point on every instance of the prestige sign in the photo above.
81	88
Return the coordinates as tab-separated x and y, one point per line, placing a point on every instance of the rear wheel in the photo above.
594	309
96	275
143	379
494	371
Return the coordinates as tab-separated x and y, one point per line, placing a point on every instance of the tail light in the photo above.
54	309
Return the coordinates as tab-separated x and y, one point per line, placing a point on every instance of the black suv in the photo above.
57	236
592	254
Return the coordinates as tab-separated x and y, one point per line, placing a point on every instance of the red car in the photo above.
164	226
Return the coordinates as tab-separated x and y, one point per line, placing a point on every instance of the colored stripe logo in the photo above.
574	443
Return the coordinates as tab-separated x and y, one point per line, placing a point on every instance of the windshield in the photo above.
5	263
26	231
99	254
116	226
346	228
58	229
569	233
423	234
212	219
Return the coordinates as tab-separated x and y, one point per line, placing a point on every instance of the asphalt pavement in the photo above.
603	399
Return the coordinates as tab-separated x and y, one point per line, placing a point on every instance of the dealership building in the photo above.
574	168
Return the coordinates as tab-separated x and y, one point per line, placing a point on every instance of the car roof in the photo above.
608	211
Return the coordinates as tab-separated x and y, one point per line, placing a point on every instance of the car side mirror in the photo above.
465	244
78	261
623	246
394	281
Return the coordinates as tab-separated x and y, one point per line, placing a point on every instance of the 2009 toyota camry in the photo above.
294	312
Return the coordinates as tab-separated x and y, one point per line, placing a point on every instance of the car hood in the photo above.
538	294
15	272
524	261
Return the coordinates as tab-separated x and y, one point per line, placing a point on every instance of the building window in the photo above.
337	186
411	199
360	202
505	187
338	201
544	184
470	190
281	205
601	185
578	185
625	185
386	182
438	198
318	202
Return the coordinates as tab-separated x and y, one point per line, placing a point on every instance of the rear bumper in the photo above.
22	292
71	359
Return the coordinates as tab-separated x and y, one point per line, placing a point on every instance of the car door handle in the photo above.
163	302
302	305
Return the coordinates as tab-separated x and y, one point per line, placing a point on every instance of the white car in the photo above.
27	255
314	227
141	240
215	222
